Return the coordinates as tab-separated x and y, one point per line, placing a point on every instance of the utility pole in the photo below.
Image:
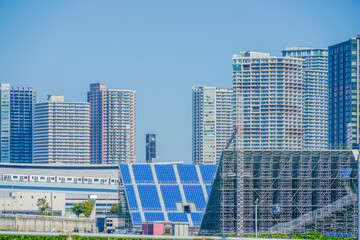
256	220
12	197
358	194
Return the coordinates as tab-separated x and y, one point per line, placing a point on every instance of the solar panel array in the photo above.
171	195
143	173
195	194
165	173
167	192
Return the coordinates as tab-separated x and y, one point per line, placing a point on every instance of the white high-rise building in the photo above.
212	123
270	93
61	131
315	94
5	122
112	125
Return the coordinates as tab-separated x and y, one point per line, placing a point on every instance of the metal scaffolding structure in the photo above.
220	215
292	185
298	191
125	215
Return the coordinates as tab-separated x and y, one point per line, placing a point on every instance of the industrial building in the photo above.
15	202
295	192
76	182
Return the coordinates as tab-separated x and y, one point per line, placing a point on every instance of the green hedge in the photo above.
29	237
311	235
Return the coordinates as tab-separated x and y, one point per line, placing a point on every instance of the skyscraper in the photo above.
315	95
61	131
269	90
112	125
22	103
150	147
5	122
212	123
344	98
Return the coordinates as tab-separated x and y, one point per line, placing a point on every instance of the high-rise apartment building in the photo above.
344	97
112	125
269	90
61	131
22	104
5	122
150	147
212	123
315	95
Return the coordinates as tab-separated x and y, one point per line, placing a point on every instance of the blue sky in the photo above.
158	48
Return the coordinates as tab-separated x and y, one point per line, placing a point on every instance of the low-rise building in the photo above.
26	202
75	182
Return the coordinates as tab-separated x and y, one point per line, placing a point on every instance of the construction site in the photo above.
294	191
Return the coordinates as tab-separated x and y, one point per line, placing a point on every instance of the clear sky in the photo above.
158	48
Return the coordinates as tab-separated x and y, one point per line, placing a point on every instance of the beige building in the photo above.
26	202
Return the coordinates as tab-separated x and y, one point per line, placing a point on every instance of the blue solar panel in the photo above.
149	197
187	173
196	218
131	197
171	194
124	168
154	216
143	173
165	173
208	172
178	217
208	189
194	193
136	217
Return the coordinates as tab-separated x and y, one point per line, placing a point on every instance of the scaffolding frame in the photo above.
298	190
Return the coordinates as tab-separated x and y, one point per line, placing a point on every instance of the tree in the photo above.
115	208
88	208
85	207
43	206
78	208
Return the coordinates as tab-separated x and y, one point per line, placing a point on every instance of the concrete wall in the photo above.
46	223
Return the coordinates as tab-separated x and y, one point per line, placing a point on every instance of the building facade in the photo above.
269	91
26	202
344	87
315	95
5	122
150	147
22	104
61	131
212	122
112	125
76	182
